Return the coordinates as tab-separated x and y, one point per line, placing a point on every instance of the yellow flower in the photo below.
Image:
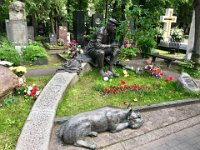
21	69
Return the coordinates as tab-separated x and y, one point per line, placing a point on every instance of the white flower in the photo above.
37	93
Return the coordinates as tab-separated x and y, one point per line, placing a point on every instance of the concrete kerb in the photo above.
167	104
36	132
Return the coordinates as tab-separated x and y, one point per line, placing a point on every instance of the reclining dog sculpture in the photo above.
93	122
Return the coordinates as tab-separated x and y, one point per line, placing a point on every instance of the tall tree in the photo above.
196	51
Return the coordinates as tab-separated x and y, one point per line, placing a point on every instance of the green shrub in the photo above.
177	34
40	38
128	52
33	52
8	52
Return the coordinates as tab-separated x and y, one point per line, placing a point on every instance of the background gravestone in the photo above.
63	33
79	26
16	26
97	19
52	38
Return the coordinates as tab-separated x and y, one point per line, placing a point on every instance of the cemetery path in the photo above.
163	128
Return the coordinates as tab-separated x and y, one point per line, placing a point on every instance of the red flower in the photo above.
123	82
169	78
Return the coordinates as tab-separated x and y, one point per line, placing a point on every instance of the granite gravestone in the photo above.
187	83
79	26
53	38
63	33
97	19
16	26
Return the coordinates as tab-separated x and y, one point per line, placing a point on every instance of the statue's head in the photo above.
17	6
112	25
135	120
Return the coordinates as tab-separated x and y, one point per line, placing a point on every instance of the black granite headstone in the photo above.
97	19
79	26
52	38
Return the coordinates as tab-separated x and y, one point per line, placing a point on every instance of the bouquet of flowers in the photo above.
73	49
33	91
154	70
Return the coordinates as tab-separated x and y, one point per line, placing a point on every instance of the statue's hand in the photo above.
114	45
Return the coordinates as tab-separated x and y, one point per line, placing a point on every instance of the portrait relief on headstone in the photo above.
17	11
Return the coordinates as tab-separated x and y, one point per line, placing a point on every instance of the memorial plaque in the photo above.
63	33
53	38
188	83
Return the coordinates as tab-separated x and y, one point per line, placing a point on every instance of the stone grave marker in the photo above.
30	33
63	33
97	19
52	38
168	19
187	83
16	26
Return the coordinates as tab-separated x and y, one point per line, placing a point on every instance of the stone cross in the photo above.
168	19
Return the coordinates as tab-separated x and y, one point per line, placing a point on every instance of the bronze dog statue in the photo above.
93	122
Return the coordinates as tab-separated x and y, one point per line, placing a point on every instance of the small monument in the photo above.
16	26
168	19
187	83
63	33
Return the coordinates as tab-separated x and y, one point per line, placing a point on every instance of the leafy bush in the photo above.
8	52
177	34
189	67
128	52
34	51
145	41
40	38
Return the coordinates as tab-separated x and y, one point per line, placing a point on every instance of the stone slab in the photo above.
53	91
36	131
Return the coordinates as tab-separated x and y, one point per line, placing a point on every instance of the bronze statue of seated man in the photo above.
103	44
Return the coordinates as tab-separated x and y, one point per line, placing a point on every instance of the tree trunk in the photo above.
196	53
35	25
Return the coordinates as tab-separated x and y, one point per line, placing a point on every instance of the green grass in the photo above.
13	116
166	53
83	96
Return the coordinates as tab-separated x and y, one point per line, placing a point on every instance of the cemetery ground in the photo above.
87	95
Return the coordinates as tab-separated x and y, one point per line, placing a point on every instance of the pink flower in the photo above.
169	78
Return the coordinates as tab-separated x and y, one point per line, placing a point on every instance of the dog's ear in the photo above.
130	109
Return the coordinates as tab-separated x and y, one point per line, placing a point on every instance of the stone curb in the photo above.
42	114
167	104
